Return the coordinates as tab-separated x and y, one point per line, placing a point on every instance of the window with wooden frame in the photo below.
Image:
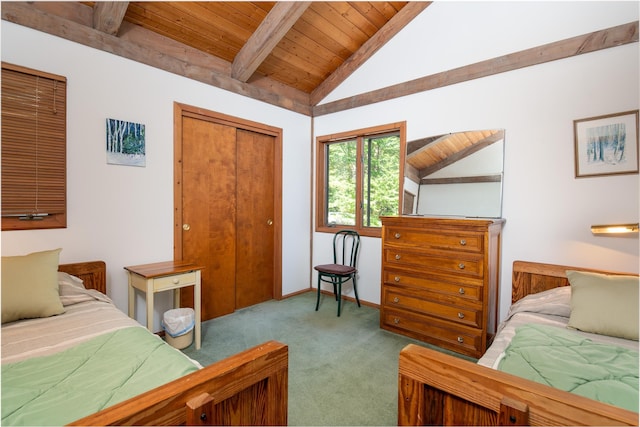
34	149
359	178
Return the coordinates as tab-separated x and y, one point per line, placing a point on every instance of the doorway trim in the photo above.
183	110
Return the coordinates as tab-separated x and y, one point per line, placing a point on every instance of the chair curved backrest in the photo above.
346	244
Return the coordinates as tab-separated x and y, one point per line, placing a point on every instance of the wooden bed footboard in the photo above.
439	389
248	388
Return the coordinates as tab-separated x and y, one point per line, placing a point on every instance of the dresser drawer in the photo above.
468	265
468	289
404	299
448	240
455	337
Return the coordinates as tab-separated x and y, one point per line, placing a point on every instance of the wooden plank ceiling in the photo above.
428	155
291	54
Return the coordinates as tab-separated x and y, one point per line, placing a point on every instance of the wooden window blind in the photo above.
34	141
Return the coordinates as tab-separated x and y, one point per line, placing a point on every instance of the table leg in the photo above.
176	298
132	299
196	305
150	299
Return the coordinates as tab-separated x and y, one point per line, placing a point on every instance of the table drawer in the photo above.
468	265
445	334
468	289
450	240
403	299
175	281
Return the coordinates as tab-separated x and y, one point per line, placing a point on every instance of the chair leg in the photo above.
339	295
355	290
318	299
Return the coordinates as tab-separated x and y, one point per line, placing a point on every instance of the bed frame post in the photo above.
200	411
513	413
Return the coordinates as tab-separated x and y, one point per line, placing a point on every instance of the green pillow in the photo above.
30	286
604	304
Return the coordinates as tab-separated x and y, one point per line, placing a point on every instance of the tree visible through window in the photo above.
359	178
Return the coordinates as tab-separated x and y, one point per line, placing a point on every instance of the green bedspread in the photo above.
565	360
66	386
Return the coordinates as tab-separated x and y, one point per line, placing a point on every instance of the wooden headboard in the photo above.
534	277
92	273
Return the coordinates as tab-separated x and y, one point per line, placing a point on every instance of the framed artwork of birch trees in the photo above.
125	143
606	145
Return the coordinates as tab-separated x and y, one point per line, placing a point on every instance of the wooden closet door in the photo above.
255	218
209	212
228	208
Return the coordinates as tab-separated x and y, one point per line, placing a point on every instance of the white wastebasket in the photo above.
178	326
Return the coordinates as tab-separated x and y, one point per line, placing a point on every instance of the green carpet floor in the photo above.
342	370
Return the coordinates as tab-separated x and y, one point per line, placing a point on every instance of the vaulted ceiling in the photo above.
290	54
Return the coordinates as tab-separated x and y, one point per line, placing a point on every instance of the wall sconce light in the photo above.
614	228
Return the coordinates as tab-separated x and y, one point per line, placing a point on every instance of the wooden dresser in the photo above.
440	280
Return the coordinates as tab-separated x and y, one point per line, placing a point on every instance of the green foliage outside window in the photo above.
381	173
380	169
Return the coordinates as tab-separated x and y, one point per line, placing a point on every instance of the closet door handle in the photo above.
186	227
269	222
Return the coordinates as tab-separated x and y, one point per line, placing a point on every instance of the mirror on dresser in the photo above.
456	174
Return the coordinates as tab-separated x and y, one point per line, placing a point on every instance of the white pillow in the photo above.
556	301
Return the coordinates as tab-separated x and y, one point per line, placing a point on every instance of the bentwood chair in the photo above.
344	268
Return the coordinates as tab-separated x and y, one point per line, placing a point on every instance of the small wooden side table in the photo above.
164	276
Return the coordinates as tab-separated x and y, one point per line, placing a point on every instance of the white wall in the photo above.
124	215
548	212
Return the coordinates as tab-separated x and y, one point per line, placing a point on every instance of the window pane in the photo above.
341	183
381	173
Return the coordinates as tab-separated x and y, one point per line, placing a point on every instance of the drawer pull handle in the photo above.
463	242
461	266
398	256
396	300
397	279
460	340
460	315
397	235
176	281
396	320
461	291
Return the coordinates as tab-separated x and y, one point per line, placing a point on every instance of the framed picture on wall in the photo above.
606	145
125	143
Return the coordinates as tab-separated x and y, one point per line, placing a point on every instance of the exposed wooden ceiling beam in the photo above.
108	15
371	46
271	30
603	39
29	15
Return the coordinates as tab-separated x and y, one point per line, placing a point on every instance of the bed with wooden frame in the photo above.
439	389
249	388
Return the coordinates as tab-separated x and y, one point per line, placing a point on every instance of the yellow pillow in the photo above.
30	286
604	304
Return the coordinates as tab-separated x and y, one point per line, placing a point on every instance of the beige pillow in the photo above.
30	286
604	304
